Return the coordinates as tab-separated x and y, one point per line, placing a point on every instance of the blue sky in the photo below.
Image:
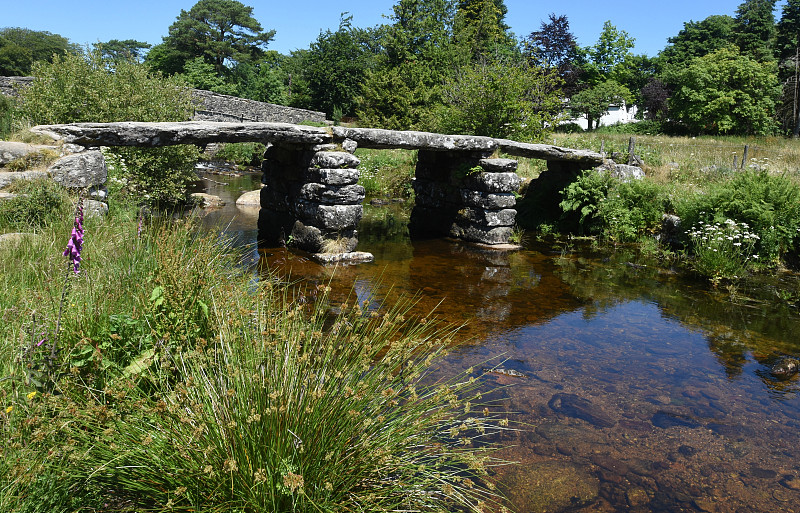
299	22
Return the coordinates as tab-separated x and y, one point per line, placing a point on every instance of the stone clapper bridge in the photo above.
311	195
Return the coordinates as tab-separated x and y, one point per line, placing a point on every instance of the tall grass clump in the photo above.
204	390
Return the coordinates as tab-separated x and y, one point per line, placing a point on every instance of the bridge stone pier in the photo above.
312	200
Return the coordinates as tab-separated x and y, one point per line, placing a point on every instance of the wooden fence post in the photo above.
631	149
744	157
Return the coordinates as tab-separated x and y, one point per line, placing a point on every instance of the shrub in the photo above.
769	204
81	88
615	210
632	209
38	203
243	154
583	197
153	175
505	100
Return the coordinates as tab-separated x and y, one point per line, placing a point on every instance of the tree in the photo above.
417	55
655	97
480	28
754	29
595	101
21	47
116	50
696	39
336	65
725	92
263	80
612	49
223	32
498	99
554	47
788	53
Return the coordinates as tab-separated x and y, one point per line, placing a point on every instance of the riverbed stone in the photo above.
249	199
550	486
207	200
578	407
333	194
86	169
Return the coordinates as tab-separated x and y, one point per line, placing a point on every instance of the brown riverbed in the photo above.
634	388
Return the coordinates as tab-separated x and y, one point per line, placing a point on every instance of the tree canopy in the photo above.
20	48
725	92
222	32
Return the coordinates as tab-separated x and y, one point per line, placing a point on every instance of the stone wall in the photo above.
215	107
220	107
8	84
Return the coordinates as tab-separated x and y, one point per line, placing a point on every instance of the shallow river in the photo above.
636	389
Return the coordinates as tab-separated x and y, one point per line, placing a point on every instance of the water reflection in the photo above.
638	389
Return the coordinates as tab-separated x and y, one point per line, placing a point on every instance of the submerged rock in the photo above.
551	486
572	405
785	368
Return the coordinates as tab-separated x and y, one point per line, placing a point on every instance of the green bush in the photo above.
632	209
153	175
584	197
613	209
768	203
243	154
504	100
38	203
82	88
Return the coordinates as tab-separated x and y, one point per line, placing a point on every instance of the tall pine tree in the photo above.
754	29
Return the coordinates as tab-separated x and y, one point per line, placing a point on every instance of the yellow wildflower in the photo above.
31	395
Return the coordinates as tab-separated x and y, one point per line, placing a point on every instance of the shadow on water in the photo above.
637	389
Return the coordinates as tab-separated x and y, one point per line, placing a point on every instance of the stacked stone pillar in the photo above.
311	199
464	195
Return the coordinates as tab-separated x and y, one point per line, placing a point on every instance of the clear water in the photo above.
636	389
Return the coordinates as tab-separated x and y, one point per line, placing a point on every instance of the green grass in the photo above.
181	383
387	172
